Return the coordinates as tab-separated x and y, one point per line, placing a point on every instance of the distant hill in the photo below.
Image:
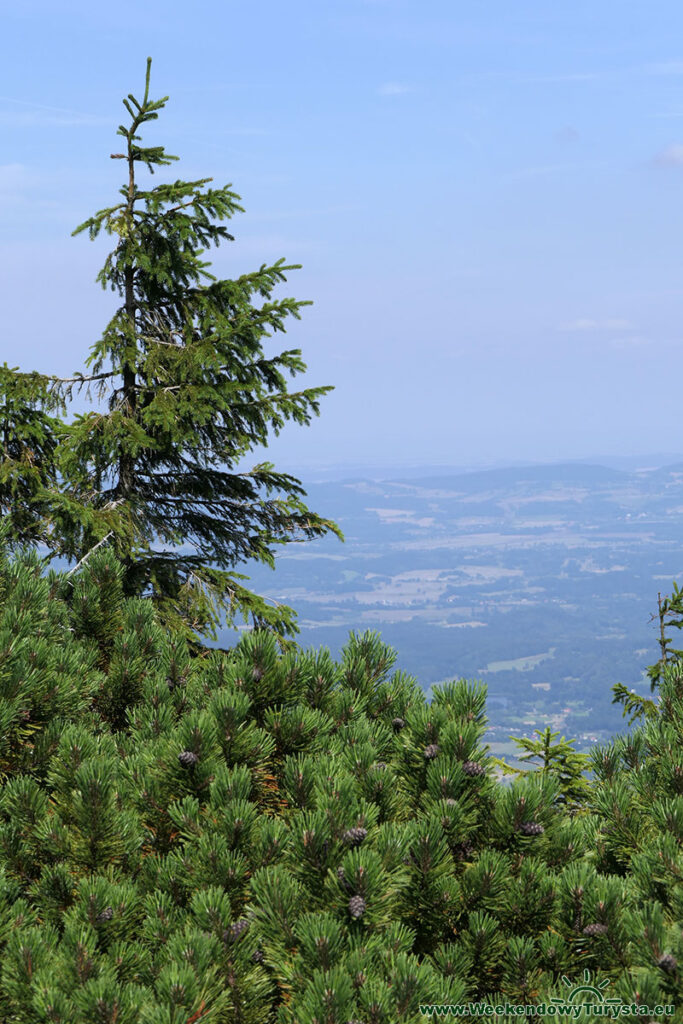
513	476
540	580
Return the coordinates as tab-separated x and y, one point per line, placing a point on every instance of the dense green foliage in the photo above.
191	391
28	449
263	837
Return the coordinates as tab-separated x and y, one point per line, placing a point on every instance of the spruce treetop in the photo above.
192	388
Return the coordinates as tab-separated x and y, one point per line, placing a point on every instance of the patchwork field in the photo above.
539	581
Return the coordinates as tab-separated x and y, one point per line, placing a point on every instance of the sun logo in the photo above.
586	989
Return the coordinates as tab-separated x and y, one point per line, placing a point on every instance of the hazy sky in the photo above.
487	200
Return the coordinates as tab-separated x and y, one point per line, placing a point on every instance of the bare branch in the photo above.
88	554
78	380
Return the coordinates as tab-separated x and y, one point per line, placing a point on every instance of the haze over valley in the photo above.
541	581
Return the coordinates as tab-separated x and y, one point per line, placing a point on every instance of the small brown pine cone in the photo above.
357	906
595	929
431	751
354	836
106	914
188	759
473	768
236	929
530	828
464	850
398	723
668	963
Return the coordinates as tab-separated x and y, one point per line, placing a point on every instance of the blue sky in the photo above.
487	200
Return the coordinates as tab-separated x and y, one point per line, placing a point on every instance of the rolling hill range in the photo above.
540	581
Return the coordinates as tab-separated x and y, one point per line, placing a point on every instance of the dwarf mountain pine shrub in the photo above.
256	837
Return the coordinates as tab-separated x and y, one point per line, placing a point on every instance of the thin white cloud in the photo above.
570	76
586	324
635	341
270	245
667	67
568	134
23	188
319	211
529	78
540	170
25	112
18	179
12	176
671	68
672	156
393	89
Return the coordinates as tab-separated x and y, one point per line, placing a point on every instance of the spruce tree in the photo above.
558	760
191	391
28	442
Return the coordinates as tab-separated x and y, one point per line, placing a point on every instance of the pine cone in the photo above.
188	759
380	766
257	957
354	836
668	963
431	751
595	929
236	929
398	723
106	914
257	673
450	802
530	828
473	768
357	906
464	850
